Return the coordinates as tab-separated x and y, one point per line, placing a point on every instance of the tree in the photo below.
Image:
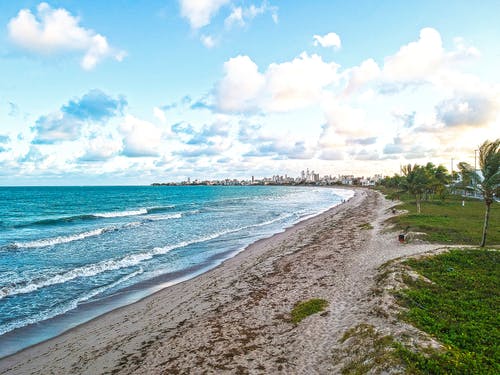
415	182
443	179
489	161
466	177
437	179
489	180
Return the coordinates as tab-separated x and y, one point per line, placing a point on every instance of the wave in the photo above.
116	264
71	305
141	211
62	239
158	209
94	269
87	217
59	220
85	271
52	241
101	267
164	217
279	218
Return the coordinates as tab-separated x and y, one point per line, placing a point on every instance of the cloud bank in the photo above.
51	31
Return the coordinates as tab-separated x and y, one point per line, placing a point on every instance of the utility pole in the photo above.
452	166
475	171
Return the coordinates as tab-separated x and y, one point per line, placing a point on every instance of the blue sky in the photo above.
127	92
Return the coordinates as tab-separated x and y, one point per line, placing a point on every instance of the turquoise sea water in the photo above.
68	254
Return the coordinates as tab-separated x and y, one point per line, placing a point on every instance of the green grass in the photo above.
447	221
365	226
460	309
369	351
303	309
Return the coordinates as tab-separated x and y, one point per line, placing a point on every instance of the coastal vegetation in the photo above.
426	180
303	309
458	220
365	226
455	298
488	181
450	216
457	303
452	297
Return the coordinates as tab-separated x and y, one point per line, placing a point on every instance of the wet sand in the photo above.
236	317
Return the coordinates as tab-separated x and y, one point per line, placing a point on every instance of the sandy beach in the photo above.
236	317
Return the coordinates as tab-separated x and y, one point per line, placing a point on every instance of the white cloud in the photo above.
56	127
208	41
252	11
360	75
236	17
160	114
468	109
418	60
328	40
56	30
410	146
101	148
241	16
299	82
140	138
278	145
67	123
344	120
331	154
284	86
366	155
463	51
241	85
426	61
200	12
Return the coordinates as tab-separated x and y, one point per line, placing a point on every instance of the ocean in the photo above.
69	254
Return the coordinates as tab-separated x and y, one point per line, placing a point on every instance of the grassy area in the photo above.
369	351
459	308
306	308
365	226
456	303
448	221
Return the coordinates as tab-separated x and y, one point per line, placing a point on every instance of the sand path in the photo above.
235	318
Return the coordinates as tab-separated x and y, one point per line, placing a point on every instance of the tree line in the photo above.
424	182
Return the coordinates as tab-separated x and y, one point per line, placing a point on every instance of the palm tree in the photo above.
468	180
437	180
415	182
489	180
489	161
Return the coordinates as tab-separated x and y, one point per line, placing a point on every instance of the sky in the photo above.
127	92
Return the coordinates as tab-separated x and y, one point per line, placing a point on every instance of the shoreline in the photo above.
235	318
93	310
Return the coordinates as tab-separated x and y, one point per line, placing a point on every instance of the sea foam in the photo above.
63	308
114	264
63	239
141	211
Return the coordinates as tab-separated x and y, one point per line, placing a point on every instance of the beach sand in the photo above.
236	317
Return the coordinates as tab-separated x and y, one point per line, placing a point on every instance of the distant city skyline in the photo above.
127	93
305	177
